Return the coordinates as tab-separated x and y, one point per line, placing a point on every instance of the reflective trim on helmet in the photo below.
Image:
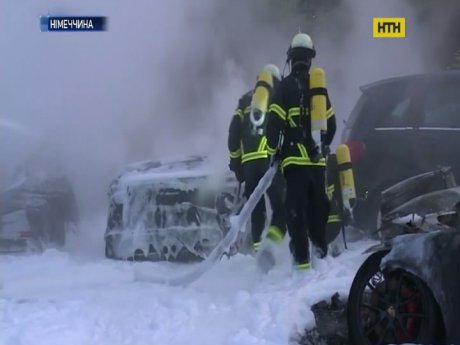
278	110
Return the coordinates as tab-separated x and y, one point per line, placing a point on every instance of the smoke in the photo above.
166	76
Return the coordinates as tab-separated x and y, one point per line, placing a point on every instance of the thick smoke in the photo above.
166	76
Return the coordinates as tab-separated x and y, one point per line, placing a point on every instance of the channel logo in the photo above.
389	27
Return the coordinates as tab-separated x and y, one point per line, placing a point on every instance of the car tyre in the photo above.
383	314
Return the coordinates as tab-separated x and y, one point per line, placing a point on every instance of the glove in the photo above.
325	150
236	166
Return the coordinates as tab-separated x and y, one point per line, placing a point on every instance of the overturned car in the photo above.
174	210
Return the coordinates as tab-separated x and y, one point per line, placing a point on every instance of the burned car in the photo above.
173	210
36	210
407	290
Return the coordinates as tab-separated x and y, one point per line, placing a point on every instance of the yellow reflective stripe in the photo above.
301	161
235	154
270	150
278	110
303	151
330	191
238	112
253	155
262	144
247	110
333	218
293	111
303	267
330	112
275	234
256	245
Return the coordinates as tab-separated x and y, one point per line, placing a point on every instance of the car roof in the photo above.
429	77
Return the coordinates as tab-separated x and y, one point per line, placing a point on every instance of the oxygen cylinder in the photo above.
260	98
318	103
347	183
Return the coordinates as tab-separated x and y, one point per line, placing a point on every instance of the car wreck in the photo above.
407	290
37	210
174	210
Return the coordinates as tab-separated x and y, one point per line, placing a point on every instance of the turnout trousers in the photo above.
307	209
253	171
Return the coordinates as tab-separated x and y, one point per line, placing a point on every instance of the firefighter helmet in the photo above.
301	48
274	71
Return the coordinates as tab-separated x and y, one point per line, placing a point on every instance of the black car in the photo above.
407	290
401	127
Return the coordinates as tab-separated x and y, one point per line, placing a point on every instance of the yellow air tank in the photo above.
347	183
318	103
260	98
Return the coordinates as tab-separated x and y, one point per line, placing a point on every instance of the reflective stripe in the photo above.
301	161
238	112
294	111
247	110
256	245
303	151
303	267
330	112
278	110
270	150
275	234
235	154
262	144
333	218
330	191
253	155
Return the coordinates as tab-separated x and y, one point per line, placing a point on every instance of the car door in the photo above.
391	141
438	128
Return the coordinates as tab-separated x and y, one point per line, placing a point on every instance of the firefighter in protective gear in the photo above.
302	160
249	158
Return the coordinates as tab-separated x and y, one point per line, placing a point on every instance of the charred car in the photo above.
36	210
173	210
407	290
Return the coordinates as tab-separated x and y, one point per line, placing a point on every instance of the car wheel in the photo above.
390	307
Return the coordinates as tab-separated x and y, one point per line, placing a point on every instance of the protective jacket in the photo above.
289	113
246	140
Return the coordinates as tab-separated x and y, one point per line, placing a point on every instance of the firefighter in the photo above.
249	159
302	159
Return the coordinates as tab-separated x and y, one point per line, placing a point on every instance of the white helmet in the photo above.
301	47
274	71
